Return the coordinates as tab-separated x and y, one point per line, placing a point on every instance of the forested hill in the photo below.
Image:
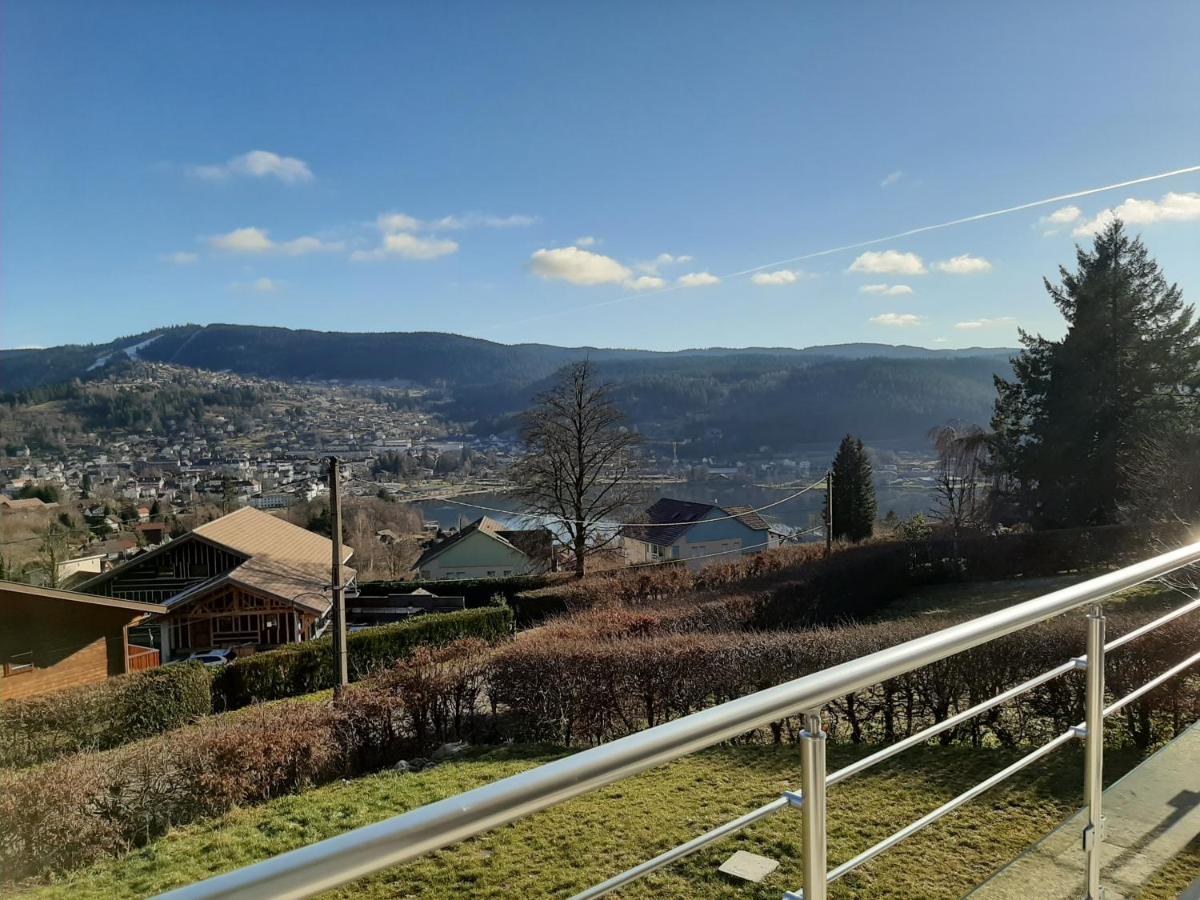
775	396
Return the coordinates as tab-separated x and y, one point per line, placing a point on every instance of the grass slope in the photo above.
591	838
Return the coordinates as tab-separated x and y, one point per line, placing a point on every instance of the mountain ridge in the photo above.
278	352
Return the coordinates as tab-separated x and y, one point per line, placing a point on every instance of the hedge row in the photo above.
304	668
802	586
96	717
591	689
476	591
626	674
76	810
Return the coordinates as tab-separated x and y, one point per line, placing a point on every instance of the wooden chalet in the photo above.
247	578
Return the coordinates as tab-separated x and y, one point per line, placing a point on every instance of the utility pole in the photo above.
340	669
829	513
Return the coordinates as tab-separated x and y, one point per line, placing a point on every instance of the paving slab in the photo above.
1150	815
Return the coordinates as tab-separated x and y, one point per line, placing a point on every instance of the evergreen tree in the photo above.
1069	427
853	492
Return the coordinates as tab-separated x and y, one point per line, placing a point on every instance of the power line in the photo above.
1033	204
524	515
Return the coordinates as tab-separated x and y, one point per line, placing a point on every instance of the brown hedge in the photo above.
72	811
586	690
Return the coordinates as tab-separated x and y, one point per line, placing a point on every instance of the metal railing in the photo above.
309	870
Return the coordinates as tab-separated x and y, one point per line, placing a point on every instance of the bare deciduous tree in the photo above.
579	456
962	453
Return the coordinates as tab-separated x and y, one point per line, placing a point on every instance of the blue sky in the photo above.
518	171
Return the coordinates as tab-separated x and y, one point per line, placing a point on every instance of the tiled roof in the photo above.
671	519
527	541
282	559
747	516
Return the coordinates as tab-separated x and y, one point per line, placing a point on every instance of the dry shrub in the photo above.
70	812
595	686
53	817
438	690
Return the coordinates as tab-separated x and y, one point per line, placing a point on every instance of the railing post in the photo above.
1093	767
812	763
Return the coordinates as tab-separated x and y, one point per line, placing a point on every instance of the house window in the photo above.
491	573
181	633
19	663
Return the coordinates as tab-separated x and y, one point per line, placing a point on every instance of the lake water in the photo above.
801	513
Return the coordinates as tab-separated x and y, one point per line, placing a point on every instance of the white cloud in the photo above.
896	320
778	277
484	220
261	285
586	241
697	279
645	283
941	340
891	178
1062	216
651	266
257	164
888	262
888	290
256	240
578	266
398	222
964	264
179	258
976	324
407	246
243	240
1173	207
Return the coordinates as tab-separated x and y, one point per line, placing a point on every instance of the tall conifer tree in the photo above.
854	504
1069	426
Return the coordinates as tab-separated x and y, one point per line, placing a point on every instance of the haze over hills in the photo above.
775	396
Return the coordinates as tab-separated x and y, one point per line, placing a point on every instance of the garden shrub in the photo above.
73	811
304	668
96	717
475	591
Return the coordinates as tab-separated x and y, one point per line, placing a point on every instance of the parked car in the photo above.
217	657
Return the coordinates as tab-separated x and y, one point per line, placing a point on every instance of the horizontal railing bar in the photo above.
1150	626
1152	684
949	806
790	798
678	853
334	861
957	719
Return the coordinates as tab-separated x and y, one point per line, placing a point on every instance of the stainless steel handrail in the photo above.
329	863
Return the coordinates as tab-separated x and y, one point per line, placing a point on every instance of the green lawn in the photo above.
585	841
975	598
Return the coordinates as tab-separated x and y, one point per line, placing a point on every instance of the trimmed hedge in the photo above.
304	668
476	591
83	808
97	717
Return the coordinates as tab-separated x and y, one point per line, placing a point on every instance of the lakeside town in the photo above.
120	490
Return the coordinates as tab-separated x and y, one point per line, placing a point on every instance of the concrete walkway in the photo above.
1150	816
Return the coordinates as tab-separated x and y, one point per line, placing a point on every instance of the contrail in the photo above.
624	298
